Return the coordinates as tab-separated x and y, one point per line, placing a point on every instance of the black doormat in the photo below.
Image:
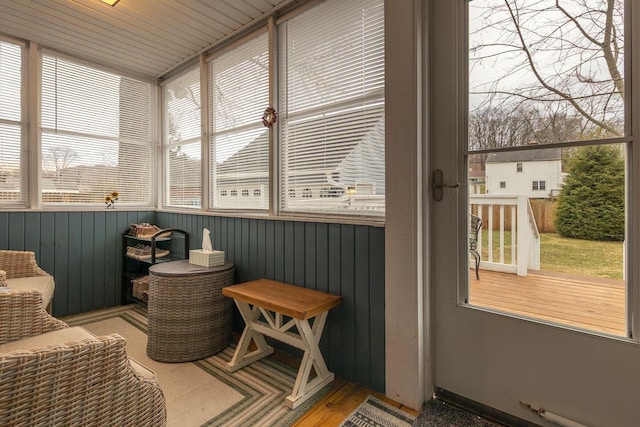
436	413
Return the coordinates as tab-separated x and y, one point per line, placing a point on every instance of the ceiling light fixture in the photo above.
110	2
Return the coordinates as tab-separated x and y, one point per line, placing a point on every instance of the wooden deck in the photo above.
590	303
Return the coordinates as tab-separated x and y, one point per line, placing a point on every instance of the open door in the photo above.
534	132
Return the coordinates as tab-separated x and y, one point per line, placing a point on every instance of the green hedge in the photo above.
591	202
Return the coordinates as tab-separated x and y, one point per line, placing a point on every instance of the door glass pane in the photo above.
551	239
545	72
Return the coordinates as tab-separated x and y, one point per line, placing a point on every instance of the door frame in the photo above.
495	359
408	369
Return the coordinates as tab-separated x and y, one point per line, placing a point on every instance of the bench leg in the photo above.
310	336
306	339
241	358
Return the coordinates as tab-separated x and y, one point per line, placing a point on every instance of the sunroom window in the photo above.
181	142
331	102
239	143
96	135
12	126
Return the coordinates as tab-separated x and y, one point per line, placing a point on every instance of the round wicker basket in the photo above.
189	318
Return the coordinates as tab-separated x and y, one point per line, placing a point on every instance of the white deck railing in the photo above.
524	236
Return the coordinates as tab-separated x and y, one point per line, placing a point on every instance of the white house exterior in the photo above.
535	173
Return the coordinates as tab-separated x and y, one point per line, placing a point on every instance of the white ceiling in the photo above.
146	38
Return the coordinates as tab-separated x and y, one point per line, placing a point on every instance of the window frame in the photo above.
312	112
214	192
32	149
26	156
151	142
272	27
31	157
165	201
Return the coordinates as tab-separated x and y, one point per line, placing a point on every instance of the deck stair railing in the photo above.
507	217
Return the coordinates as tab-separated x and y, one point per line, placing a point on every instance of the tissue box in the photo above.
206	258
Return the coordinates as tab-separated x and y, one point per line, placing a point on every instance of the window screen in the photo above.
239	143
12	129
181	142
331	88
96	135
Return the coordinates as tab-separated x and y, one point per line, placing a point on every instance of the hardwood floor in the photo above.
339	402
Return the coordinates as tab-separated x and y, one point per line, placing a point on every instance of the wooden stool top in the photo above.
290	300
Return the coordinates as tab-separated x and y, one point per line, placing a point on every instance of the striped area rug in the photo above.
376	413
203	393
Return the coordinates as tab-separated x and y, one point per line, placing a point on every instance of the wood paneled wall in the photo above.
83	251
341	259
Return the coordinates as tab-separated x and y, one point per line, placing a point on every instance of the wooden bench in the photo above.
274	308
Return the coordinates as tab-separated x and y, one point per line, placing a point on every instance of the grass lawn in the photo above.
571	256
580	257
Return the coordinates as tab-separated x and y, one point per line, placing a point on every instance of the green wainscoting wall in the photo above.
83	250
341	259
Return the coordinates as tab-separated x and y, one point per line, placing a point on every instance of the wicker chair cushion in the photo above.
141	369
64	336
44	284
60	336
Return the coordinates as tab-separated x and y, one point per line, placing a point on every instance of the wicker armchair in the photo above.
19	270
67	376
22	315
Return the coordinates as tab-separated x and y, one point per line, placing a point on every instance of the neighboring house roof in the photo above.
244	160
525	156
363	149
367	155
185	173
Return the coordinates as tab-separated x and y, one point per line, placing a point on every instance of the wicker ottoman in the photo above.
189	319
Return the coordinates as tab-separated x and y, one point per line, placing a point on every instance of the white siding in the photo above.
521	183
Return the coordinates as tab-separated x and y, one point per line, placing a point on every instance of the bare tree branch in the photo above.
560	59
543	82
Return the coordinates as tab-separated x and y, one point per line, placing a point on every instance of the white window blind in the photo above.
331	70
12	175
96	135
181	142
239	143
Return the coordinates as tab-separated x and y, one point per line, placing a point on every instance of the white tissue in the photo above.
206	240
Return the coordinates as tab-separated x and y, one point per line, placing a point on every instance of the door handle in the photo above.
437	185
